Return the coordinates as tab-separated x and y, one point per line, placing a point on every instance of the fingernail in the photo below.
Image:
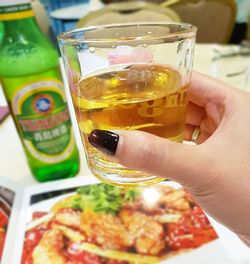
104	140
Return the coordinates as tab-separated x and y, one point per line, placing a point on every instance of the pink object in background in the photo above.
4	111
128	54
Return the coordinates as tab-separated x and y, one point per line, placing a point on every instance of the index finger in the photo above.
203	89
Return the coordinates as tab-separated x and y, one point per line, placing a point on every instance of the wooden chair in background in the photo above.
214	18
126	12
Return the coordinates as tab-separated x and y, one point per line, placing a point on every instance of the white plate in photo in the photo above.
211	252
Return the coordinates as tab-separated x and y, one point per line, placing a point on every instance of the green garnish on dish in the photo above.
102	198
105	198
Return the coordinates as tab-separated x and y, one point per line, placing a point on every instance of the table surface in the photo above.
15	168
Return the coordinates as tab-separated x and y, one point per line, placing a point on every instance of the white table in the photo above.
14	167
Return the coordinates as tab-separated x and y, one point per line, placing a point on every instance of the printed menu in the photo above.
83	221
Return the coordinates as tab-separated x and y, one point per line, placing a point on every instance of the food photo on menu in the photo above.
105	224
83	221
6	202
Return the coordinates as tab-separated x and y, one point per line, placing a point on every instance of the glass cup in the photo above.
128	77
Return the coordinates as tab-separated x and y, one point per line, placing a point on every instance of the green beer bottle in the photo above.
30	75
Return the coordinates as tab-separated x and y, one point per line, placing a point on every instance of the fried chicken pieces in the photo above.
124	231
106	230
130	228
49	248
147	234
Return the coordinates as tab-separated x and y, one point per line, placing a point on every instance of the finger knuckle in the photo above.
146	157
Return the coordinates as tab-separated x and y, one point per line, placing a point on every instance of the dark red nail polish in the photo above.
104	140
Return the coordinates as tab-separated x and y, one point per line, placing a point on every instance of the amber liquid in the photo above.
148	97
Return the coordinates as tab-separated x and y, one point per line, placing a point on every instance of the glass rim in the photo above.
67	37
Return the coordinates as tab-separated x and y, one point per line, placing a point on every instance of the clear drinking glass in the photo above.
128	77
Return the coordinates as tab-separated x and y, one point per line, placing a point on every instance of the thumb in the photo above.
161	157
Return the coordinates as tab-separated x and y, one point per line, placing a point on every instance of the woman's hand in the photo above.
217	170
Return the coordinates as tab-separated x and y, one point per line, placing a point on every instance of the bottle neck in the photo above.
22	40
21	26
18	18
22	31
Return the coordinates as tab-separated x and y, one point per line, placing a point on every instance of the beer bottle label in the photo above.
43	120
15	9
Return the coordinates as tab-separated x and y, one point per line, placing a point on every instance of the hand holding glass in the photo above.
128	77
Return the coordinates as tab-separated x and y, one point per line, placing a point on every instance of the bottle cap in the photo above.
13	2
15	9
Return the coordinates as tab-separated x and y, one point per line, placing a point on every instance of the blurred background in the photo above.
218	21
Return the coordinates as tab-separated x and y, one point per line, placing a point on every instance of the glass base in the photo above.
119	181
118	175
